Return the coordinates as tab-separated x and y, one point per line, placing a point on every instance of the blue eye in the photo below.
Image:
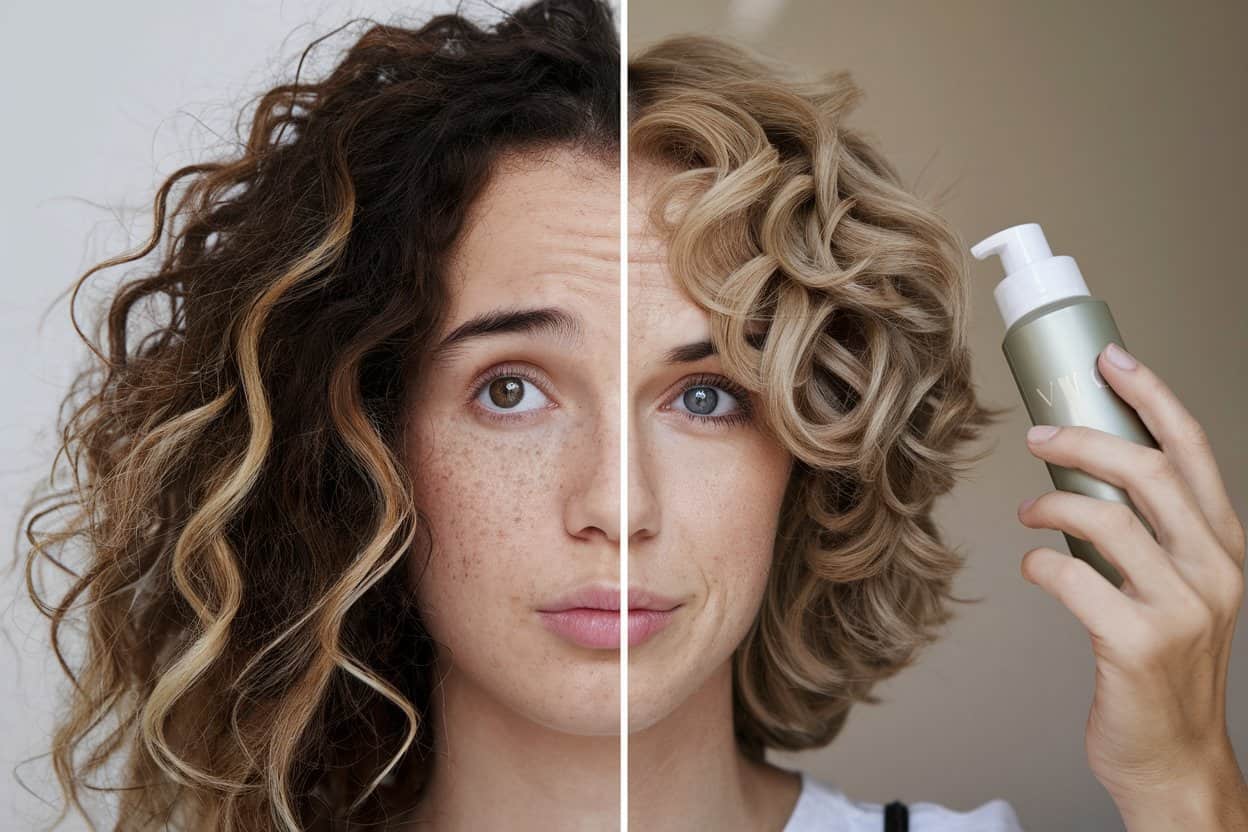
713	400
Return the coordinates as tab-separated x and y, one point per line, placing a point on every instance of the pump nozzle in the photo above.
1033	276
1017	246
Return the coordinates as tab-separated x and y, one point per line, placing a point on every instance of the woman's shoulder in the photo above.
825	808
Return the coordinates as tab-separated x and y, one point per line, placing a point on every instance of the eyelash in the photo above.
503	371
744	412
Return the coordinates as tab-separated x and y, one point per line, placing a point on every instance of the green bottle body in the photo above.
1052	354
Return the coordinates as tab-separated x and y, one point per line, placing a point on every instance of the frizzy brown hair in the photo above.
840	301
236	472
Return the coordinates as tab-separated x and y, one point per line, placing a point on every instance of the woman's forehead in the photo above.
546	233
542	232
551	207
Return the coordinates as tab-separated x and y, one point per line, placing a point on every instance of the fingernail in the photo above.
1119	357
1040	433
1026	504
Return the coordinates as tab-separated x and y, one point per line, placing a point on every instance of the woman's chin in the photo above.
580	700
596	717
645	714
655	691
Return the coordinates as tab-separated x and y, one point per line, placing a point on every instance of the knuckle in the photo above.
1144	641
1157	463
1238	541
1067	577
1122	518
1067	580
1194	433
1077	435
1229	586
1197	618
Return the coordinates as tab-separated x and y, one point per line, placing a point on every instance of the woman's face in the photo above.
515	448
705	484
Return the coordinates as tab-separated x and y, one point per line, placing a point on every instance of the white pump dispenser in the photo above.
1033	276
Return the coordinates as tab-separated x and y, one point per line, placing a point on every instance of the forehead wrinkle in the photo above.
572	259
651	287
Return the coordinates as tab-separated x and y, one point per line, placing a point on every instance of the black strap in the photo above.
896	817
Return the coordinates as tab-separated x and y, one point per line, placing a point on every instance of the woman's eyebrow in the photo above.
697	350
689	353
552	321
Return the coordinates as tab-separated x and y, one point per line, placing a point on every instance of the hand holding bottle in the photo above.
1157	733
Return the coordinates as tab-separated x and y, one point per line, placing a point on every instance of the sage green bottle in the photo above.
1054	332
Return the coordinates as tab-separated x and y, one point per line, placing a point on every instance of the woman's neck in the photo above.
497	769
687	771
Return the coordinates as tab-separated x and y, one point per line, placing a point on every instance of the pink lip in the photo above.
644	623
590	616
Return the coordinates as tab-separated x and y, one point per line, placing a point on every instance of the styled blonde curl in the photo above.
840	300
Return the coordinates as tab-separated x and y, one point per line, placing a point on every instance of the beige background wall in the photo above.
1120	128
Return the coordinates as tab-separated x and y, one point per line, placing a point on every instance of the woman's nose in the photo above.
643	505
593	504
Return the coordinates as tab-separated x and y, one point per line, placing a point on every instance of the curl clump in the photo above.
840	300
233	473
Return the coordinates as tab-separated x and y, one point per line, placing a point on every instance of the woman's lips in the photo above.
600	629
590	616
644	623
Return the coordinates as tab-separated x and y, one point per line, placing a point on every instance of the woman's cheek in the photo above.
735	509
755	505
480	489
744	561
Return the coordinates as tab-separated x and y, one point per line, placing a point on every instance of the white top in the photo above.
824	808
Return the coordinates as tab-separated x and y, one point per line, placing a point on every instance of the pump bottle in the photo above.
1054	331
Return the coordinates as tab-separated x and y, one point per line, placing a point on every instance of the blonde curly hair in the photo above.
840	300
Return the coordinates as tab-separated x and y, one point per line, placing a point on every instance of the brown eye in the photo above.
508	393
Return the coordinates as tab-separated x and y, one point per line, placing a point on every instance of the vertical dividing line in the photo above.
624	410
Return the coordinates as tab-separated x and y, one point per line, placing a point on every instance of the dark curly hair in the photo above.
234	472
